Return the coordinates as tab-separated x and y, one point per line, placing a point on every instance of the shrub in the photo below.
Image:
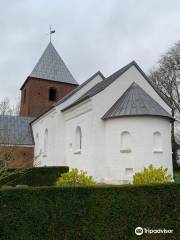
75	178
89	213
152	175
6	175
177	177
37	176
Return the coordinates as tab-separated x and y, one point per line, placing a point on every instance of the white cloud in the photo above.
90	35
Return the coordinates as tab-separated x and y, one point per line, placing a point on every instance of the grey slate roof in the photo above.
51	67
136	102
102	85
72	93
16	130
78	88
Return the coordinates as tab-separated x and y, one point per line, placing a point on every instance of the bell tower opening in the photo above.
52	94
49	81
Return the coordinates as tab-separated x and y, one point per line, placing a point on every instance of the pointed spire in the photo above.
51	67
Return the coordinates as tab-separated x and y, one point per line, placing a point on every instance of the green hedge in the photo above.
99	213
177	177
39	176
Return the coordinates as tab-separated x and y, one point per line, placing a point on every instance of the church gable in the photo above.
90	81
79	92
75	94
115	85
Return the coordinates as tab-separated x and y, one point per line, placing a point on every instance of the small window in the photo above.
157	142
78	140
125	142
24	96
129	172
45	141
52	94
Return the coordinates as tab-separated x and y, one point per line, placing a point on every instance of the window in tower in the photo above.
24	96
52	94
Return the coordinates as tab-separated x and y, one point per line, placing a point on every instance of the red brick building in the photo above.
49	81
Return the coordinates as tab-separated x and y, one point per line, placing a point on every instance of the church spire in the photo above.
51	67
49	81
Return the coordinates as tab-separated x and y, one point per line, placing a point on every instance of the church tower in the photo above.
49	81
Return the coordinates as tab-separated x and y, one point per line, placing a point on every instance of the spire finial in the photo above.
51	31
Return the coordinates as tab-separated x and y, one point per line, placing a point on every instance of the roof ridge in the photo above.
102	85
119	72
127	66
133	107
67	96
152	84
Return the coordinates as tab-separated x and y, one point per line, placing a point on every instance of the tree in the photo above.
166	77
6	108
7	150
16	107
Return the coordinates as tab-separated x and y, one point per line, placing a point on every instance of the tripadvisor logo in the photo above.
139	231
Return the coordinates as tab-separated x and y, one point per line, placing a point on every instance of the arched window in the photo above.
157	141
52	94
78	140
45	141
125	142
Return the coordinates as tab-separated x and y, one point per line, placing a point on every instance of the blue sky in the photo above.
90	35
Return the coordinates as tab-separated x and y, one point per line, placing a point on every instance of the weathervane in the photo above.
51	31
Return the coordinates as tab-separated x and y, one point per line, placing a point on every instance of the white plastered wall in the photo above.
85	158
143	150
98	135
101	104
54	122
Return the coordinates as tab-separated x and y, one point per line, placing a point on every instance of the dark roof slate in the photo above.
79	87
16	130
136	102
99	86
51	67
71	93
102	85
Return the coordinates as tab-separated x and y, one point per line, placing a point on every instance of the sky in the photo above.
91	35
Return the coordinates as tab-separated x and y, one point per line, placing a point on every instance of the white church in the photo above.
111	127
